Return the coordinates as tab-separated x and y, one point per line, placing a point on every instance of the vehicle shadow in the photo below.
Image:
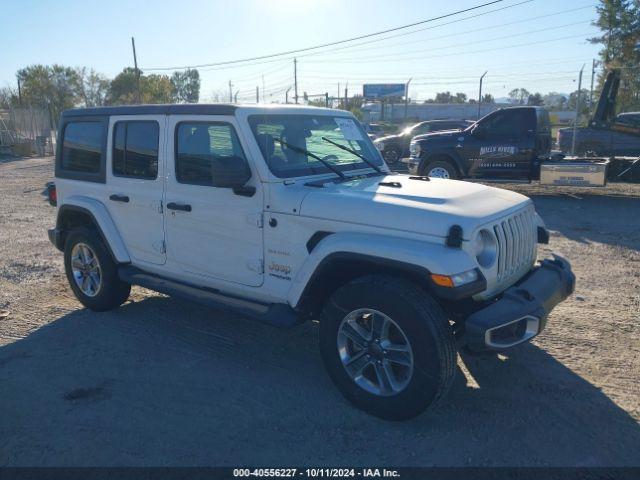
607	219
164	382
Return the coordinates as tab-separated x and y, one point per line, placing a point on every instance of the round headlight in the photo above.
486	248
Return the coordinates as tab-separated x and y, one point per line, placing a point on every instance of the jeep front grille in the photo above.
517	247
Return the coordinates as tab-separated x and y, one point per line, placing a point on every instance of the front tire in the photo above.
441	169
388	346
392	156
92	272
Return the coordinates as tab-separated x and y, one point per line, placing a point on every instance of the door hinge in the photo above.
160	207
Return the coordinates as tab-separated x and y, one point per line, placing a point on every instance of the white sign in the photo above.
349	129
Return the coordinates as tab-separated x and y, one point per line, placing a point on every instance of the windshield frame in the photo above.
356	166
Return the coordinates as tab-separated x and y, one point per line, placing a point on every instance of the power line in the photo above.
466	32
290	52
466	52
455	45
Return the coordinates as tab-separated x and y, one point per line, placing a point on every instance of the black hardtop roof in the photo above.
185	109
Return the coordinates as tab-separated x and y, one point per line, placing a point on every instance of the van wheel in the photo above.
91	271
388	347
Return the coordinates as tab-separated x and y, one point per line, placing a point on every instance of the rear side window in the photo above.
202	148
82	147
135	149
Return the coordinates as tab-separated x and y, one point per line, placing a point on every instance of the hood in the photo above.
439	135
388	138
424	207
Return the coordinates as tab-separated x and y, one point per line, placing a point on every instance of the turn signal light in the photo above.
456	280
442	280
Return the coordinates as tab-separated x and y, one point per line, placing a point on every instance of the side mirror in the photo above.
230	172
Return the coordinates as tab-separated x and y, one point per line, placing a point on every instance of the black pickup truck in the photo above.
506	144
607	134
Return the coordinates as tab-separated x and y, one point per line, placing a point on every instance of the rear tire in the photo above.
91	271
441	169
419	331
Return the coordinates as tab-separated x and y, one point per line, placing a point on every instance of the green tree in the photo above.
8	97
488	98
518	96
123	89
186	86
535	99
94	87
619	23
54	87
584	101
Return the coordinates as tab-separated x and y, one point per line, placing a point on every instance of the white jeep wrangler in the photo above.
288	213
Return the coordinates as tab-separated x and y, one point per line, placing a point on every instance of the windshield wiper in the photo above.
350	150
304	151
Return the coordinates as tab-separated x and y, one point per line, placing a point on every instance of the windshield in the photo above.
306	132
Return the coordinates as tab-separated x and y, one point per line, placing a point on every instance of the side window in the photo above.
82	147
422	129
205	152
135	149
507	123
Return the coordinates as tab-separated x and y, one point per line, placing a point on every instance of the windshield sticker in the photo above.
498	151
348	128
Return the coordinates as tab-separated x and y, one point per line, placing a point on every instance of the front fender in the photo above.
380	249
103	221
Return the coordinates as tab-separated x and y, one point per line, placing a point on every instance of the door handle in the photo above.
179	206
119	198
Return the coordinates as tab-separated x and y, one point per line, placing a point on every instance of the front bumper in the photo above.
521	312
55	237
412	164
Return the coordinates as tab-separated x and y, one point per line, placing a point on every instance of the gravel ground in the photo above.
165	382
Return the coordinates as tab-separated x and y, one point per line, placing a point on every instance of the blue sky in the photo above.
539	45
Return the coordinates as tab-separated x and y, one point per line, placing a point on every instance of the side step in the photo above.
278	314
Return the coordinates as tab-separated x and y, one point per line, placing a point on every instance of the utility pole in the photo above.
286	95
295	79
230	92
235	96
257	94
575	122
135	63
326	99
406	98
593	74
346	96
480	95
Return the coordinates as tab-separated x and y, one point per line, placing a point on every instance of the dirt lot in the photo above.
165	382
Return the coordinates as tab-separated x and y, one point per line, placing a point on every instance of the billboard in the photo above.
382	90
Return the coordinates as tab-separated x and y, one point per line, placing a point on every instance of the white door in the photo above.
135	183
212	230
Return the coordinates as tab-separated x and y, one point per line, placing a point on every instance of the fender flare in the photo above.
456	160
102	220
411	256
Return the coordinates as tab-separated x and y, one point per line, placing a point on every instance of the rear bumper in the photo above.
521	312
